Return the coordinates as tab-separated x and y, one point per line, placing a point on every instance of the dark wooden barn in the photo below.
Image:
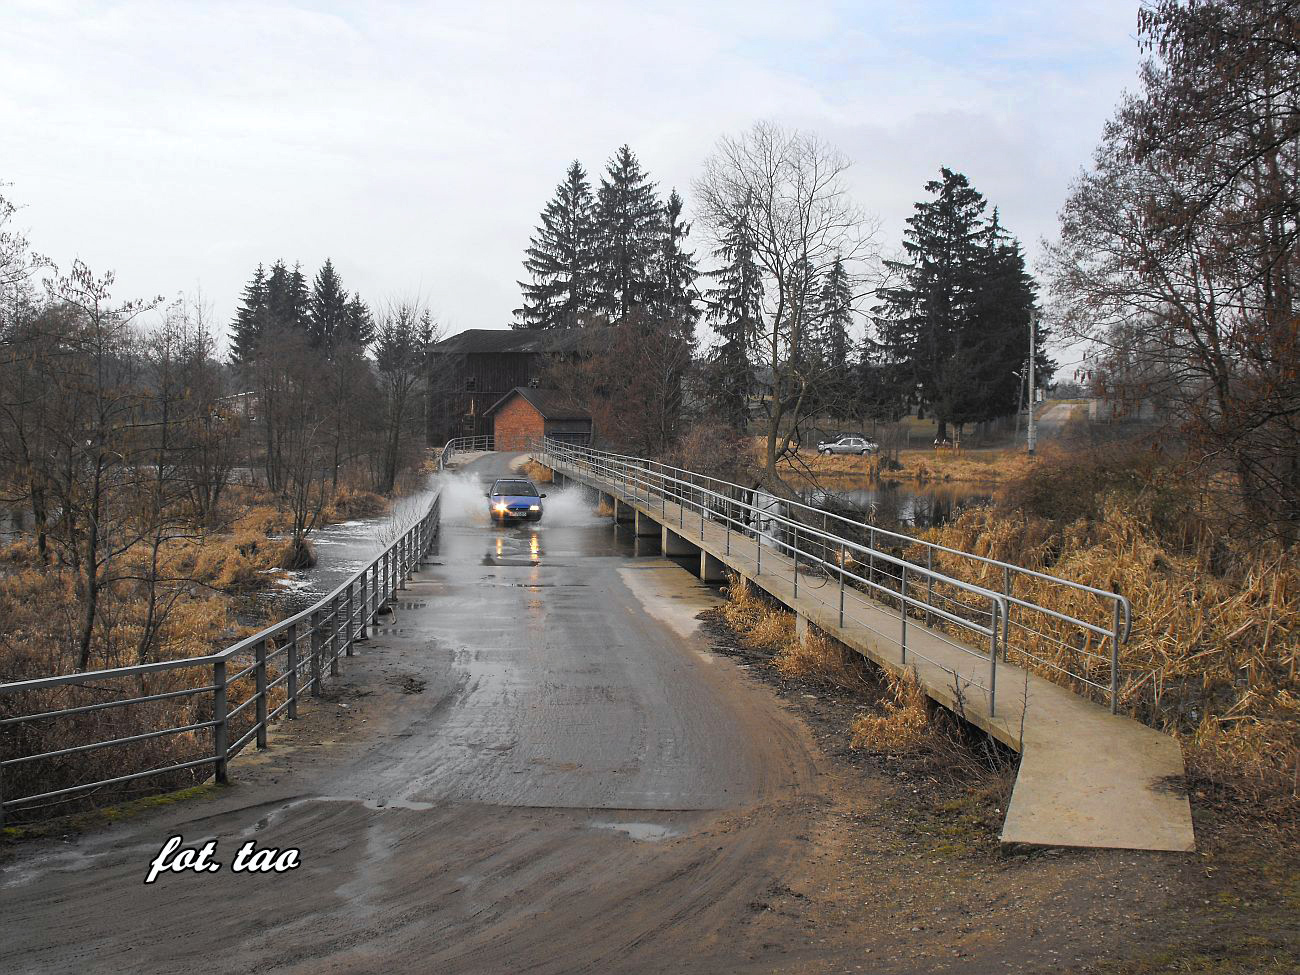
474	369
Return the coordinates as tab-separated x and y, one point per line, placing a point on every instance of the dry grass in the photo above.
922	465
898	717
605	509
537	473
205	601
1213	654
904	722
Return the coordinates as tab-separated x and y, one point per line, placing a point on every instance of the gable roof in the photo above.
505	340
550	403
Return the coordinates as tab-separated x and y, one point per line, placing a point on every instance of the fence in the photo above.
463	445
944	588
238	692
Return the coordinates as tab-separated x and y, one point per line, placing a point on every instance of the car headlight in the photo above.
500	507
534	507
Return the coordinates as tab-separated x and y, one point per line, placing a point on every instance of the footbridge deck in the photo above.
1088	777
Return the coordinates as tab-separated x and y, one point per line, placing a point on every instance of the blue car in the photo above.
514	500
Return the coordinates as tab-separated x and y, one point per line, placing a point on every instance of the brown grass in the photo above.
904	722
605	509
898	718
205	598
538	474
922	465
1213	654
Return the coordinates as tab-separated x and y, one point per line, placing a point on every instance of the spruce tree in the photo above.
834	344
559	258
250	320
673	297
286	297
735	310
327	309
628	227
359	323
922	323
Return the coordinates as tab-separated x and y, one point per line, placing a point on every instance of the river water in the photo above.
347	547
892	502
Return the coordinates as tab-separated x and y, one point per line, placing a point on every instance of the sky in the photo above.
181	143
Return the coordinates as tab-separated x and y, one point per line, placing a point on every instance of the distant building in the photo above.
476	368
527	413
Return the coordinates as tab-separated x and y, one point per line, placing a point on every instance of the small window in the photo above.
470	384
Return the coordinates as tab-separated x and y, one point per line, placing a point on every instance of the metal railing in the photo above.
890	565
464	445
238	692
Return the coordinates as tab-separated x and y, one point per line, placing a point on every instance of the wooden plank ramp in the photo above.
1087	778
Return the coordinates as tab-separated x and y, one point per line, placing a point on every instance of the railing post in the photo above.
259	673
871	557
293	670
375	571
1114	661
993	660
220	730
402	559
795	552
316	643
1006	617
929	584
348	632
363	613
902	604
844	564
334	637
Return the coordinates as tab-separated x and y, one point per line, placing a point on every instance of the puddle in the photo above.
644	832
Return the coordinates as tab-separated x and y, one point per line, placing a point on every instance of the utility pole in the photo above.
1033	390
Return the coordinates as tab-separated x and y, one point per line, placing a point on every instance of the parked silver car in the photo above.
848	445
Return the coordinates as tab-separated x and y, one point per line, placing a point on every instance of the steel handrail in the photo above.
1121	600
332	625
631	475
669	484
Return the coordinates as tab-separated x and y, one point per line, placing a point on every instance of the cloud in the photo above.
182	143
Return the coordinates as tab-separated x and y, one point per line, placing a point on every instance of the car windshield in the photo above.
517	488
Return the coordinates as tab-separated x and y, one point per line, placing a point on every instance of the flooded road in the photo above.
535	764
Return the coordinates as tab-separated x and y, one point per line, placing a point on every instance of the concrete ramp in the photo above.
1087	778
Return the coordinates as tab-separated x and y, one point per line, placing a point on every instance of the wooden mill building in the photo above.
473	370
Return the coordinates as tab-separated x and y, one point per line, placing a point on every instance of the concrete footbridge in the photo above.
1088	777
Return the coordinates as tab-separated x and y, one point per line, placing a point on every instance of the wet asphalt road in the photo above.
535	765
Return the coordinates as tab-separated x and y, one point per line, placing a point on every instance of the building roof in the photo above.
499	341
550	403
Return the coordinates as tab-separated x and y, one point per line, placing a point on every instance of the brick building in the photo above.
472	370
526	414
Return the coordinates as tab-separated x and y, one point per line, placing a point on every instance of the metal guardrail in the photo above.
833	545
464	445
281	662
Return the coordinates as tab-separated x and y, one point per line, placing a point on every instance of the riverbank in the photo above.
984	467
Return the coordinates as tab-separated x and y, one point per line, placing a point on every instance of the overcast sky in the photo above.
415	143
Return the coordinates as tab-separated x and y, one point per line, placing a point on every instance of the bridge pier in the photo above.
801	627
712	569
673	544
646	527
623	512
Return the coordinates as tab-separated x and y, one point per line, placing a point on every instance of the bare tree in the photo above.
788	189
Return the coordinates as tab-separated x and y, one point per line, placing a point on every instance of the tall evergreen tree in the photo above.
923	322
287	297
359	323
250	319
327	309
628	233
560	258
735	312
835	308
674	293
